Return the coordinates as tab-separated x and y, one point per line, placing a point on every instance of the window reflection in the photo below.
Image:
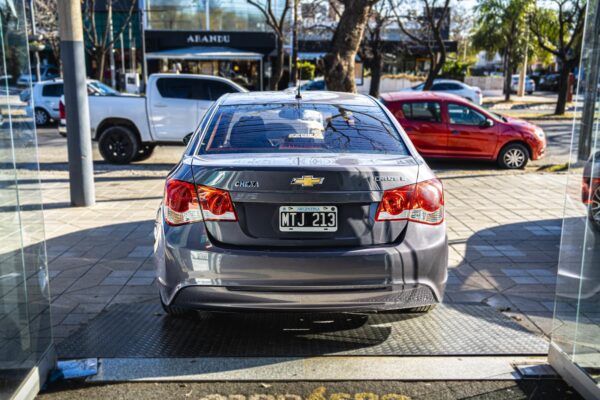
225	15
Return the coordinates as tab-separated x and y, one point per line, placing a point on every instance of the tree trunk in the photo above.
376	67
278	67
563	87
100	57
338	64
434	71
507	72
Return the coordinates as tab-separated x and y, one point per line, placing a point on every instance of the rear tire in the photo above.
174	311
118	145
513	156
145	152
421	309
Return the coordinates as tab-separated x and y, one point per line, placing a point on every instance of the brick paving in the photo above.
504	232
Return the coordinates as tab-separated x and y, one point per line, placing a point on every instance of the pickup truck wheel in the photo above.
42	118
145	152
118	145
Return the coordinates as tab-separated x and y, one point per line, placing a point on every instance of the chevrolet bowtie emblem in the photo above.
307	181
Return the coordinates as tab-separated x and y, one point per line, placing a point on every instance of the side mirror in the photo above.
186	138
488	123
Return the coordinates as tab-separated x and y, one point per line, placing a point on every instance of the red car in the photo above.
442	125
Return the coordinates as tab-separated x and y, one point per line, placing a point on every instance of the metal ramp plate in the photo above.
144	331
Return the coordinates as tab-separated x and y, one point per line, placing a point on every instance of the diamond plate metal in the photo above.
142	330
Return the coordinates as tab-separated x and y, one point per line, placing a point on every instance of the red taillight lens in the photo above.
181	204
216	204
587	189
61	110
395	204
422	202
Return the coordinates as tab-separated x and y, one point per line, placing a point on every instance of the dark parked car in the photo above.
318	203
549	82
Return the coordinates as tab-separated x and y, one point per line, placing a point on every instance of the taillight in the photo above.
216	204
61	110
422	202
181	204
587	189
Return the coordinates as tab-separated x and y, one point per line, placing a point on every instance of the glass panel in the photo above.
25	333
223	15
576	329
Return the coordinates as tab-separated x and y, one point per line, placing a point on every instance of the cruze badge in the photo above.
388	178
307	181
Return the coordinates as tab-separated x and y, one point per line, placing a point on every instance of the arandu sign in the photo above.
159	40
209	39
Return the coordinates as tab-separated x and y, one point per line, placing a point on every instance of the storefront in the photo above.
239	56
26	346
575	348
226	38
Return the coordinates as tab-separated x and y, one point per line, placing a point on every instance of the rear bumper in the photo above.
194	273
316	299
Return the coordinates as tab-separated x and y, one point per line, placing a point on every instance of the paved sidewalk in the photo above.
504	231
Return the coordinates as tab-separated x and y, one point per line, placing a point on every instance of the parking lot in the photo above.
503	245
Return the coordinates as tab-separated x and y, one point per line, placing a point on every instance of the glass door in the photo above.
575	349
25	330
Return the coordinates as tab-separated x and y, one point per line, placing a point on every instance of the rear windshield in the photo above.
311	128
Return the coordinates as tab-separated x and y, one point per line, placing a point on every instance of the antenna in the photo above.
298	92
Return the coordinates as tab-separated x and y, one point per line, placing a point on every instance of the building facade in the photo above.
225	38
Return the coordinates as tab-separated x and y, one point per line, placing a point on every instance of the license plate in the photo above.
308	218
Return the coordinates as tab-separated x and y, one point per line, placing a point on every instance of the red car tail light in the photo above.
587	189
61	110
422	202
216	204
181	205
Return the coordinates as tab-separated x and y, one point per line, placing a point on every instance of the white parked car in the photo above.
529	84
471	93
129	127
47	72
43	105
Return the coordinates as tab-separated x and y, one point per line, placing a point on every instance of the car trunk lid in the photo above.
265	188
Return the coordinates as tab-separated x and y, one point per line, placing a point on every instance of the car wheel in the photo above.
118	145
530	93
41	117
594	210
513	156
145	152
174	311
422	309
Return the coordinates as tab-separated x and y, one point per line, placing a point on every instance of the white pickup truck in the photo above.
128	128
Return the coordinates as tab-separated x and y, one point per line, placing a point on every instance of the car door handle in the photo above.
455	132
160	105
408	129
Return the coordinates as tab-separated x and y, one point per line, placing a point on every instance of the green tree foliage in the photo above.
307	70
500	27
455	69
558	27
